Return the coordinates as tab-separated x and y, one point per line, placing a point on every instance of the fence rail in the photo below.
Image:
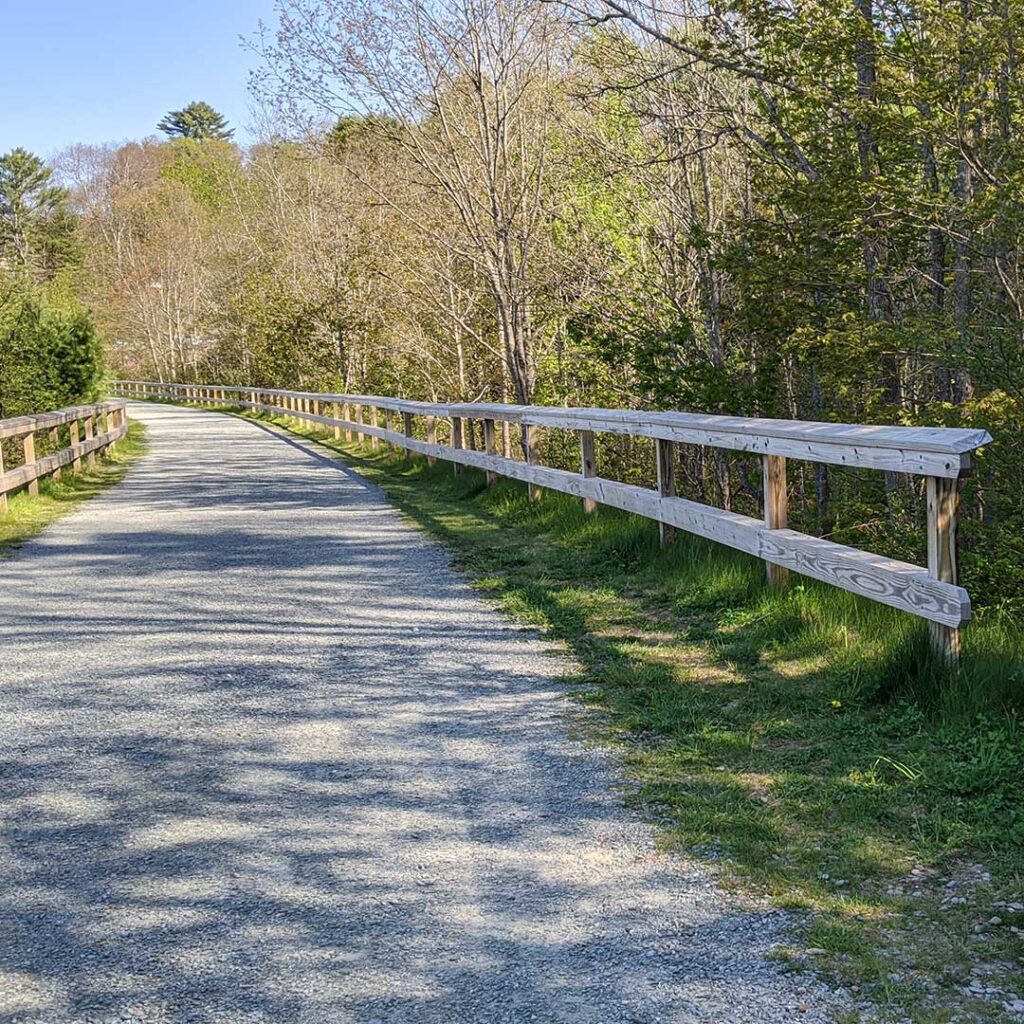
80	420
941	455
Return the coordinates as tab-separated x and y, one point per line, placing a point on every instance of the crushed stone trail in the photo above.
265	757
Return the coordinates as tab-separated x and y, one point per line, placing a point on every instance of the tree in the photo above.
33	215
196	121
472	87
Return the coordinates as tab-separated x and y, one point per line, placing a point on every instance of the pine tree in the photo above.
32	208
196	121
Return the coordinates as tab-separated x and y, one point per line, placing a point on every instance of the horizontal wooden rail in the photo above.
33	467
942	455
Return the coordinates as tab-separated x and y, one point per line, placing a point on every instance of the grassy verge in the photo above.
27	515
804	740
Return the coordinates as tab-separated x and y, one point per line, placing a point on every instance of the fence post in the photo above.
431	438
532	435
943	506
491	448
666	484
346	415
776	508
90	459
357	418
28	446
457	439
374	439
55	442
336	413
407	425
3	497
588	464
76	463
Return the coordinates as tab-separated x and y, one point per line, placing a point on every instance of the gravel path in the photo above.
265	757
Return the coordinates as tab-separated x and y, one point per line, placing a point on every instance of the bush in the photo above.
49	358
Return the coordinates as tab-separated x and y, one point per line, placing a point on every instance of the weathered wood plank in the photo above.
90	459
929	451
899	584
18	426
77	461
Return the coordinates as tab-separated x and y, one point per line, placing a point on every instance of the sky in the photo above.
107	71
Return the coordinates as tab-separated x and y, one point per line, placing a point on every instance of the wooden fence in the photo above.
941	455
78	424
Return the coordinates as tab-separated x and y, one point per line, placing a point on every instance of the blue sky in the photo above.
105	71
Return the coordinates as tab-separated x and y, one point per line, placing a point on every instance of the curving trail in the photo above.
264	757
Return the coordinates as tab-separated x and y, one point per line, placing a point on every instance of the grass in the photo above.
804	740
28	515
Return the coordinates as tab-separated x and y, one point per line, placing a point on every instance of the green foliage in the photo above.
49	358
205	168
197	121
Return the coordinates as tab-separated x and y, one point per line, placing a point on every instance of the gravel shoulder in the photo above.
267	757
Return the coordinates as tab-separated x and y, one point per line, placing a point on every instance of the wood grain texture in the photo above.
532	444
432	438
776	508
456	424
943	504
90	459
588	465
374	438
899	584
491	447
666	453
28	448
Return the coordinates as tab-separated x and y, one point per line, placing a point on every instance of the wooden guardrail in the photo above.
941	455
79	425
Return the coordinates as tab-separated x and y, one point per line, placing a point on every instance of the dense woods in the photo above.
808	211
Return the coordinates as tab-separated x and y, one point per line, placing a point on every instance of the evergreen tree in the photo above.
196	121
33	215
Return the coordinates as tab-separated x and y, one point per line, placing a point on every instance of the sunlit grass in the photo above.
27	515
